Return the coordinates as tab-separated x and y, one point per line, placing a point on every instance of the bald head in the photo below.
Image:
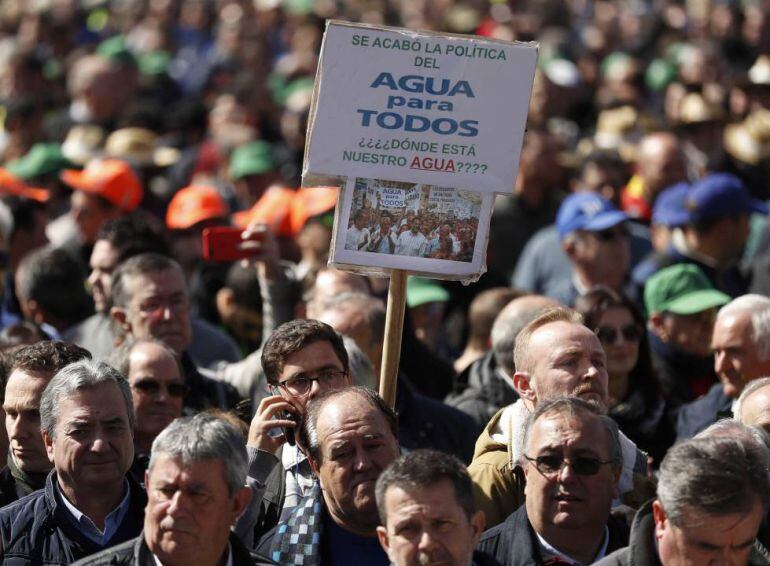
330	282
753	407
660	162
517	314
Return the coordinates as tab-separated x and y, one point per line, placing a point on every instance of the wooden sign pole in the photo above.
394	326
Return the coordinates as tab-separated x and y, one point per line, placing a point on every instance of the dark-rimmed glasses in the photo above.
551	465
301	383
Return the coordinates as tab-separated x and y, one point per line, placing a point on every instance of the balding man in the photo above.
424	422
555	355
753	406
660	163
489	381
741	345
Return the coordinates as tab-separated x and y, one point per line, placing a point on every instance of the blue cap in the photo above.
720	195
669	209
587	211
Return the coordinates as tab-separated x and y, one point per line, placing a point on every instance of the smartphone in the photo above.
289	432
223	244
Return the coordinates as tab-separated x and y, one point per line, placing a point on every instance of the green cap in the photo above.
421	291
42	159
254	158
116	48
681	289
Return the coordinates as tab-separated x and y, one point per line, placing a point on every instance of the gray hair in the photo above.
205	437
361	368
507	326
574	406
370	307
752	386
758	308
732	428
308	430
142	264
84	374
120	358
715	475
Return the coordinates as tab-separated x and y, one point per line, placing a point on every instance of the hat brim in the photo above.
425	295
605	220
698	301
78	180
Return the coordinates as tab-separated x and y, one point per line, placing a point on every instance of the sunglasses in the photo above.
609	334
610	235
581	465
152	387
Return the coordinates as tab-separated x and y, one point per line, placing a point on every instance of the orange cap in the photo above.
273	208
194	204
111	179
12	185
311	201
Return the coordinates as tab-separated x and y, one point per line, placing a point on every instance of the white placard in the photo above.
420	107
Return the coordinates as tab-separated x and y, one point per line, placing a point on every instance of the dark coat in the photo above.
513	542
204	391
136	553
37	529
480	391
700	414
641	549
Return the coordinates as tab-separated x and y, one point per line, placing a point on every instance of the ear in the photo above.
616	473
241	500
522	383
119	315
48	441
657	327
477	524
659	516
382	536
314	466
225	301
146	478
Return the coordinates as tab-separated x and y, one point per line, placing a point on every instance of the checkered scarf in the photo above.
297	539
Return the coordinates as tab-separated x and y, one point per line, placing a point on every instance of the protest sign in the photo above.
421	107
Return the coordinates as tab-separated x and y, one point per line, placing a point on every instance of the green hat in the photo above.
421	291
681	289
251	159
116	48
42	159
153	62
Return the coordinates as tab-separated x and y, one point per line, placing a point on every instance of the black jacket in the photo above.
204	391
37	529
700	414
513	542
480	391
641	549
136	553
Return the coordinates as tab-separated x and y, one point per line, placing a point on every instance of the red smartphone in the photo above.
223	244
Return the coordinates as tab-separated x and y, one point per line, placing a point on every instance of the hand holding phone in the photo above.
226	244
273	424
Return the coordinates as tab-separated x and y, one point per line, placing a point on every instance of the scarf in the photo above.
25	483
297	539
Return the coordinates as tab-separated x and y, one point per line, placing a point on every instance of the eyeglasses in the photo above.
581	465
609	334
610	235
152	387
301	383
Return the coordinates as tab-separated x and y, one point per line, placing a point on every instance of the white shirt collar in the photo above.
568	559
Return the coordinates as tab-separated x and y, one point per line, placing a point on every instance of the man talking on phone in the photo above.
301	359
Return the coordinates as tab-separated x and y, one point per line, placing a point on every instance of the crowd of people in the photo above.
431	235
600	394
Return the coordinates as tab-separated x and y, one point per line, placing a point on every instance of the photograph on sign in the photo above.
393	103
421	228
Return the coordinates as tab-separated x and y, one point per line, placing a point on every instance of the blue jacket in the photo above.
700	414
37	529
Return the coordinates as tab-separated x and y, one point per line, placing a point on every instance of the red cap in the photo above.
111	179
311	201
273	208
194	204
12	185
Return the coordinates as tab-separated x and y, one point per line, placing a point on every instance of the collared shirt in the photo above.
356	239
547	549
228	563
300	479
411	244
111	522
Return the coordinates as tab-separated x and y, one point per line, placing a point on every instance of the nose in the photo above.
15	430
177	503
426	541
93	278
566	473
363	461
720	362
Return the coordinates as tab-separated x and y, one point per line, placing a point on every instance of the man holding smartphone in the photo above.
301	359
